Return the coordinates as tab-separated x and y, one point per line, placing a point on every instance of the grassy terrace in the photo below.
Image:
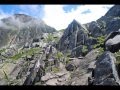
24	53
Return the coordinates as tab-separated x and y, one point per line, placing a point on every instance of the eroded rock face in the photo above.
74	35
105	72
90	43
95	29
77	51
114	11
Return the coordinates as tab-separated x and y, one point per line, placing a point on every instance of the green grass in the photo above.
23	52
17	56
32	51
51	38
55	69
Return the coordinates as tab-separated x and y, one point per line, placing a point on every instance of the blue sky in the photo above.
57	16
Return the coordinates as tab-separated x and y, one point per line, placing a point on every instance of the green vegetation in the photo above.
26	53
59	55
55	69
32	51
67	60
101	50
100	42
67	56
84	49
56	39
2	50
17	56
49	38
117	55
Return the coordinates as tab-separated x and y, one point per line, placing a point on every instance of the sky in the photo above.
57	16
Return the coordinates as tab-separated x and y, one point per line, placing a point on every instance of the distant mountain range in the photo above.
22	28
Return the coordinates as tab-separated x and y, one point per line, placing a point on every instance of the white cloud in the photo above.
3	14
56	17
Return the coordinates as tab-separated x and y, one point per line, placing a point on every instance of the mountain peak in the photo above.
17	14
75	22
23	17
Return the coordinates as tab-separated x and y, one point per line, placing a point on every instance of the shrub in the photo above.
59	55
49	38
100	42
84	50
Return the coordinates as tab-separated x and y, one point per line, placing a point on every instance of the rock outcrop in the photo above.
105	72
112	42
74	35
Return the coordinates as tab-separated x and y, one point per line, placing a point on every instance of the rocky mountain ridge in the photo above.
22	28
78	55
77	36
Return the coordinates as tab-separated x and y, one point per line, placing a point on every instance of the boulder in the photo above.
112	42
91	66
105	72
72	65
